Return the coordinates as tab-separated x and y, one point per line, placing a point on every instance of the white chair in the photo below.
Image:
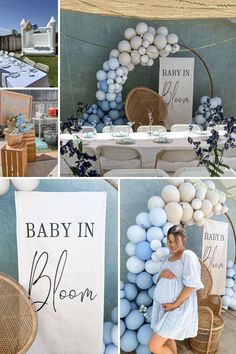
136	173
172	160
11	54
117	128
42	67
200	171
155	128
114	157
185	128
88	130
29	61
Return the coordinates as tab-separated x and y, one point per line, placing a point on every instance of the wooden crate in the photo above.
14	160
12	103
29	138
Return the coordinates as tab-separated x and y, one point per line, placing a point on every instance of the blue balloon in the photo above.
87	124
122	328
93	118
144	334
143	299
90	109
143	250
114	315
94	106
128	341
158	216
99	127
118	99
85	116
95	111
111	349
120	106
149	313
144	280
103	86
113	104
114	114
122	285
124	308
131	291
151	290
131	277
100	113
143	349
134	320
105	106
166	227
119	121
154	233
133	306
143	220
107	326
122	294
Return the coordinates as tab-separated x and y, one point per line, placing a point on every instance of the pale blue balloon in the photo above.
101	75
94	106
134	320
103	86
118	99
149	313
85	116
107	326
122	294
143	349
124	308
143	299
154	233
114	335
114	315
103	347
143	220
113	63
119	121
120	106
99	127
131	277
129	341
111	349
144	280
151	291
90	109
114	114
143	250
131	291
113	104
122	285
144	334
87	124
136	234
100	113
122	328
105	106
133	306
166	227
135	265
93	118
158	216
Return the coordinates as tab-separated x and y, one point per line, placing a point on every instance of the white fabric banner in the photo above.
176	88
61	239
214	253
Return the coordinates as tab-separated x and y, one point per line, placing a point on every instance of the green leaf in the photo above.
80	146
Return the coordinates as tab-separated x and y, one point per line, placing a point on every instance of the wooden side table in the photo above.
14	160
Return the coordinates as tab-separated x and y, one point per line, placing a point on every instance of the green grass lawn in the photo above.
52	62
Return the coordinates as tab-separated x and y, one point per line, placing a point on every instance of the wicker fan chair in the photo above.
209	317
142	99
18	319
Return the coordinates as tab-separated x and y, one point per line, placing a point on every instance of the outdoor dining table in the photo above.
148	146
29	76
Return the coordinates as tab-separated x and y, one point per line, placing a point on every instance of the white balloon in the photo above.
110	81
105	65
119	72
160	41
148	36
100	95
119	80
163	53
113	63
152	30
124	46
135	57
176	47
176	181
101	75
152	267
146	44
4	186
187	192
187	211
190	222
206	207
210	184
172	38
125	70
111	88
200	222
124	59
136	42
111	74
130	248
154	257
196	203
130	66
150	62
213	196
174	212
135	265
114	53
110	96
162	30
155	244
170	193
144	59
142	50
217	208
168	48
141	28
198	215
129	33
25	184
152	52
155	201
222	198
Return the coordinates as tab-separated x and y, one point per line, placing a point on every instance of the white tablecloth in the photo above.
143	143
36	79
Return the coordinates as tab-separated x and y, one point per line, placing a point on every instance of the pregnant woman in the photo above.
175	312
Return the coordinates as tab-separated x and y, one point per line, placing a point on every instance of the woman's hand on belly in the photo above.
166	273
169	307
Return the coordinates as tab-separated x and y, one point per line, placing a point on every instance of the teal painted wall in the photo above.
133	200
86	41
8	247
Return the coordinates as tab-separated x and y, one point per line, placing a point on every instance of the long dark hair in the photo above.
177	230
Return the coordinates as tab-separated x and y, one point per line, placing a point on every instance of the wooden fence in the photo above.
10	43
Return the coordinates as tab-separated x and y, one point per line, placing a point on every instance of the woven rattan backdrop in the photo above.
155	9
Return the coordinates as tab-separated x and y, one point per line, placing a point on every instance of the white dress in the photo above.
182	322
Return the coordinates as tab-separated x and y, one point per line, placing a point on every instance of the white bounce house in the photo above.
41	41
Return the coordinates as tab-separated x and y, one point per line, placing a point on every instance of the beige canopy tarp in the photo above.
155	9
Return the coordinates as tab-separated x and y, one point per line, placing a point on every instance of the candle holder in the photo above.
150	121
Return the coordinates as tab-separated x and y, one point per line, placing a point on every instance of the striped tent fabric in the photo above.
155	9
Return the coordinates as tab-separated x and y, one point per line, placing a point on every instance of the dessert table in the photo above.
16	73
148	146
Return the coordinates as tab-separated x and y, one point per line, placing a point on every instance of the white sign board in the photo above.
176	88
214	253
60	240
